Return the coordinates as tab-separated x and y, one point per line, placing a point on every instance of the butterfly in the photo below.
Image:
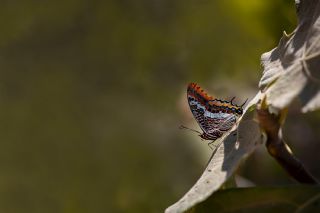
214	116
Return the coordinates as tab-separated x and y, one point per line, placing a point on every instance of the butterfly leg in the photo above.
209	144
214	145
187	128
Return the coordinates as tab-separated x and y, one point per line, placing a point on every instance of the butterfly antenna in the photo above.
244	103
232	100
184	127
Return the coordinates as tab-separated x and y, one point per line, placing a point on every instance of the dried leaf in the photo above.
298	198
291	69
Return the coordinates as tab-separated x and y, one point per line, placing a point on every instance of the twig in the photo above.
278	149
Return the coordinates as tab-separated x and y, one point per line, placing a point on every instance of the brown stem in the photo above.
278	149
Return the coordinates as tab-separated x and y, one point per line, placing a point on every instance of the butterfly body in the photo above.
213	115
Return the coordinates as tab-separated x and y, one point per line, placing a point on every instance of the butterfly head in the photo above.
239	111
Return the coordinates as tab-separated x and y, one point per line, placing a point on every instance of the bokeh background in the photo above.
92	94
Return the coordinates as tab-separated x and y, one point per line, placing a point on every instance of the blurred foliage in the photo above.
263	199
90	96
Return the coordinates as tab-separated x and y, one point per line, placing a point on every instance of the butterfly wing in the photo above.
198	112
219	122
197	100
213	116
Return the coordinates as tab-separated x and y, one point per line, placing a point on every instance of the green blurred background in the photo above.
92	94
